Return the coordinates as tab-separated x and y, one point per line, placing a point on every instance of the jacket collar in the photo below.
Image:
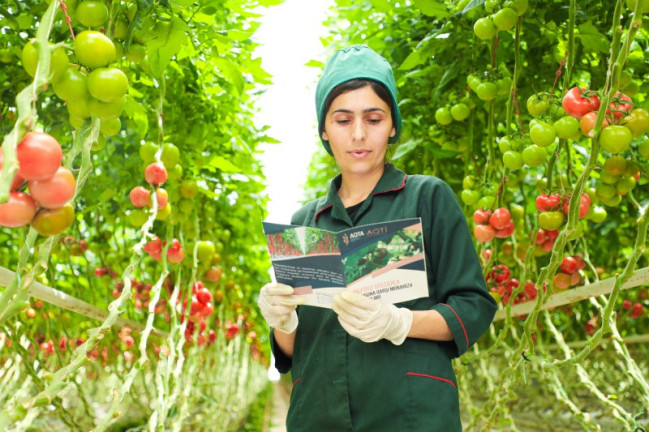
392	180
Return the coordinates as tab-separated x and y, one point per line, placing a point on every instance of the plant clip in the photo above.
526	358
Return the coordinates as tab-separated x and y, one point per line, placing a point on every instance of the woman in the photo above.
367	365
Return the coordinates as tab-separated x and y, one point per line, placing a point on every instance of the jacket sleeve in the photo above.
464	301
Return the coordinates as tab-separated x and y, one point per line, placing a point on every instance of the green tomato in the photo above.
520	6
533	155
78	108
121	29
643	148
460	111
94	49
443	116
513	160
608	178
644	5
624	185
567	127
58	61
537	104
613	201
469	182
136	52
504	144
485	29
615	165
597	214
505	19
92	13
107	84
99	144
76	122
543	134
205	250
517	211
551	220
106	110
486	201
487	91
170	155
175	173
110	127
71	85
504	86
188	189
473	81
615	138
637	121
148	151
138	217
470	196
605	191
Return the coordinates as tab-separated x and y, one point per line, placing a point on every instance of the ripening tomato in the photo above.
162	196
139	196
39	155
551	220
18	211
579	101
637	121
49	222
620	105
587	123
484	233
214	274
54	191
155	173
561	280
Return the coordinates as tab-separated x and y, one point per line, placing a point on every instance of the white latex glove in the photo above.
371	320
277	304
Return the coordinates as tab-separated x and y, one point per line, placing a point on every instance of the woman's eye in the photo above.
375	120
342	121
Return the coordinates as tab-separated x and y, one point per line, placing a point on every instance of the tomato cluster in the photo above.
175	252
458	112
568	275
554	208
636	308
200	308
490	85
503	19
489	224
50	187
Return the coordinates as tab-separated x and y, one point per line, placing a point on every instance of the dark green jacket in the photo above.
343	384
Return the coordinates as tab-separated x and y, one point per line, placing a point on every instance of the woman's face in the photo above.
358	126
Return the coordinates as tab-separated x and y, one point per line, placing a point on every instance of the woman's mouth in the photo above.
359	154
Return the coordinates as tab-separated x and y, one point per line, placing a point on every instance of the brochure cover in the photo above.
383	261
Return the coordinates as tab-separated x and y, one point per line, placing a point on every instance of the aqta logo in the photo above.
369	232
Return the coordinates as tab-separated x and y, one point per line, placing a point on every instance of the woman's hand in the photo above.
371	320
277	303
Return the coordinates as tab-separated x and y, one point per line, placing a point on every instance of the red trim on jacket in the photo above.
318	214
395	189
461	323
432	377
297	381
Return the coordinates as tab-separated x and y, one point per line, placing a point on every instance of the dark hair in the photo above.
355	84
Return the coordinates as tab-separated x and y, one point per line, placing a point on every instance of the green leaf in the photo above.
472	5
231	73
449	74
415	58
223	164
166	42
404	149
381	5
269	140
314	63
239	35
592	39
107	194
433	8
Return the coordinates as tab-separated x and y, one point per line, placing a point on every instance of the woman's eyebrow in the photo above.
365	111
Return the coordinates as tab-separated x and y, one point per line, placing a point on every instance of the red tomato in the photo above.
552	234
18	211
541	237
204	296
499	273
569	265
155	174
481	216
139	196
584	205
214	274
39	156
18	180
620	105
484	233
500	218
636	311
575	278
579	101
547	245
207	310
506	231
232	331
530	290
626	304
154	248
54	191
175	253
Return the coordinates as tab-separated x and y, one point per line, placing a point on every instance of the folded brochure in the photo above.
384	261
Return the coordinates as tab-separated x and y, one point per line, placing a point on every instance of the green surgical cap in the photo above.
355	62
